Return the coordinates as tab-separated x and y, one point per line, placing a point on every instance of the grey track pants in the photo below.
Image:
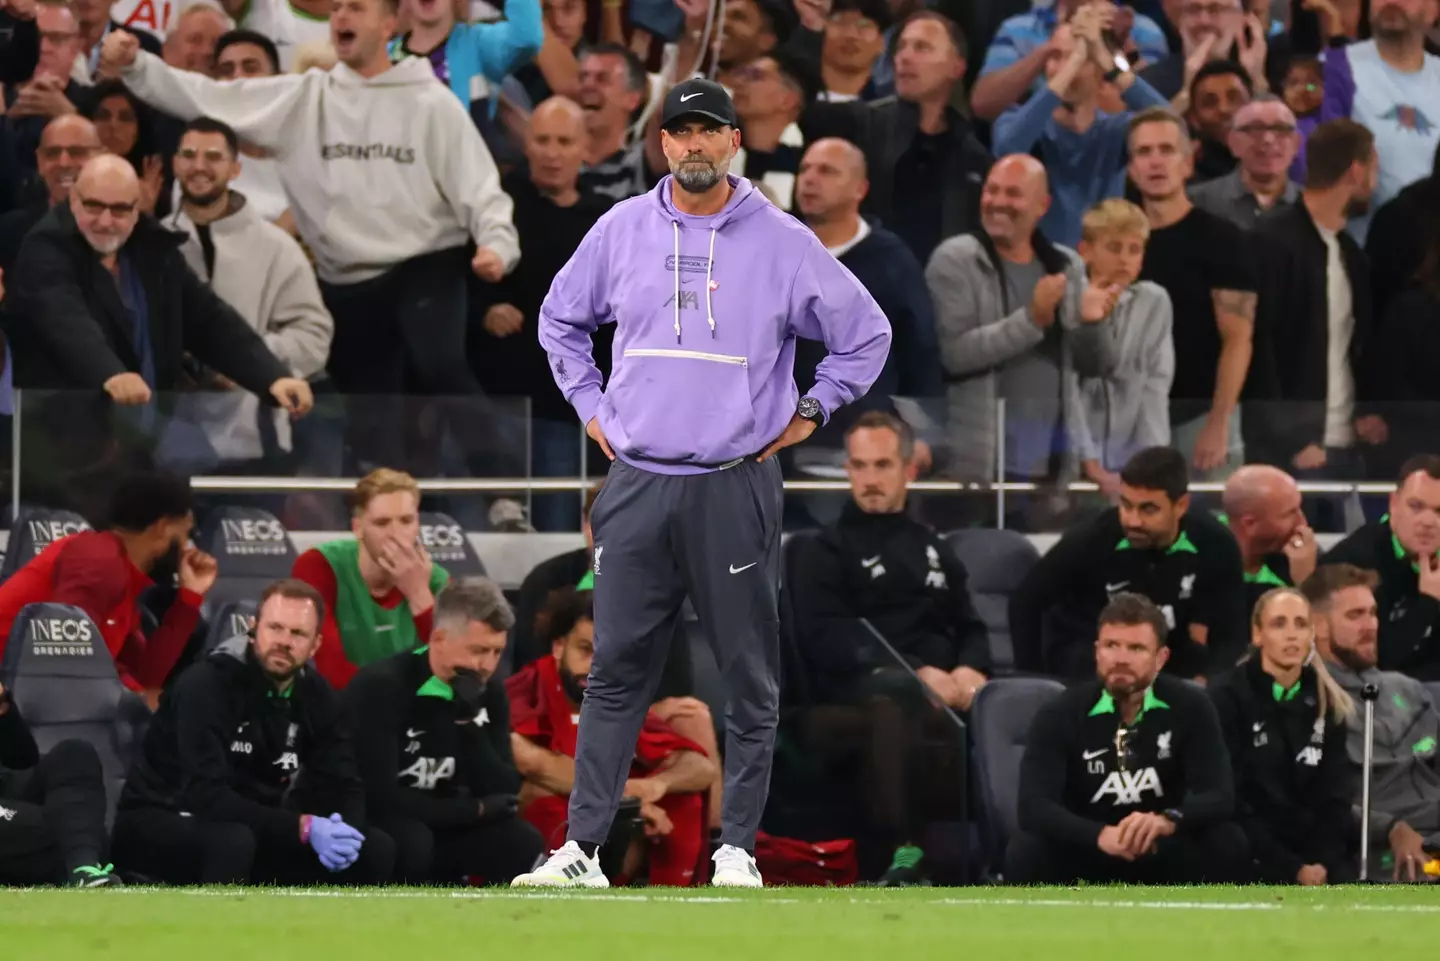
658	538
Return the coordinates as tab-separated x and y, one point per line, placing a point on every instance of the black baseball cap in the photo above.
698	98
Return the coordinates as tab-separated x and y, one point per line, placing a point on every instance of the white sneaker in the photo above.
734	868
567	868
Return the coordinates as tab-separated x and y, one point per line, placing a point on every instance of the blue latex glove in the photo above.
335	842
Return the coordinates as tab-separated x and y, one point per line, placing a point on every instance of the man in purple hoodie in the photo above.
708	285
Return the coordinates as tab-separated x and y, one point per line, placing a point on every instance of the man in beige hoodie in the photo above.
260	270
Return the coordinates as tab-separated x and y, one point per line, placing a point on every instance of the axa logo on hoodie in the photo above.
374	151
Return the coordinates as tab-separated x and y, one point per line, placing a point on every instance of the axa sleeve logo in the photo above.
45	533
444	542
62	637
254	537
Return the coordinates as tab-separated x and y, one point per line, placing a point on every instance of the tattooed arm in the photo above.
1235	316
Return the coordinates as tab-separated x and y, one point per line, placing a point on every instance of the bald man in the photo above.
552	216
997	295
1277	546
1264	139
102	301
66	143
829	190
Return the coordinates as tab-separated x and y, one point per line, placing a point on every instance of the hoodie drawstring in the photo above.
676	224
709	263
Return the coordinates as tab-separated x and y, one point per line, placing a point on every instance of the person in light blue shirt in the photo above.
1392	86
1015	61
1082	147
471	58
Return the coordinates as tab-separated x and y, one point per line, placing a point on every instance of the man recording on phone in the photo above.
1402	548
379	586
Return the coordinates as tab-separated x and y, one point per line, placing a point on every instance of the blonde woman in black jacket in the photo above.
1284	723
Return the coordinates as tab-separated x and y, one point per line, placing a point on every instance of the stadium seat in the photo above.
252	548
35	530
62	678
443	537
233	619
1000	723
996	562
1434	688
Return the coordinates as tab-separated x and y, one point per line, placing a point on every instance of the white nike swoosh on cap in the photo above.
688	96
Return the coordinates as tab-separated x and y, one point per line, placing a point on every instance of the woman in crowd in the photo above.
126	129
1284	722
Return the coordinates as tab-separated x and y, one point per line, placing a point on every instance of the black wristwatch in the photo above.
1175	815
809	408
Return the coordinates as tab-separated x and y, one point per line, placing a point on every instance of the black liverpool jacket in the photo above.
226	746
900	575
1409	641
1293	787
1292	337
68	329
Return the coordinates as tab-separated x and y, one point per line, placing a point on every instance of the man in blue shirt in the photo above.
1015	62
1082	146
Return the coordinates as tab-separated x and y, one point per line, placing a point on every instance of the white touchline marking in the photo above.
1083	903
898	902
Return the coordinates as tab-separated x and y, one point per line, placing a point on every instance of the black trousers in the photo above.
1217	854
402	335
52	817
902	753
179	849
492	852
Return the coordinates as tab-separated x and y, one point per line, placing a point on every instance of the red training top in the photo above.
92	571
540	711
314	569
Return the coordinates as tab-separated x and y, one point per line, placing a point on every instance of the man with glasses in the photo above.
709	285
1317	312
1264	139
854	40
68	141
104	301
1126	779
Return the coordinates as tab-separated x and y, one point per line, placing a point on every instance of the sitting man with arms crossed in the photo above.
379	587
433	737
1125	779
670	774
104	573
247	774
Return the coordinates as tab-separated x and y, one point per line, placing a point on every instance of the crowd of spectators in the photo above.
1137	246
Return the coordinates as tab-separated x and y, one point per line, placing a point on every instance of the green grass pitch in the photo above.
957	924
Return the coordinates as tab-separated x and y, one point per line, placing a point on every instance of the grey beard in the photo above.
696	179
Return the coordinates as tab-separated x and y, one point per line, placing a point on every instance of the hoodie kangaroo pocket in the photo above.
682	406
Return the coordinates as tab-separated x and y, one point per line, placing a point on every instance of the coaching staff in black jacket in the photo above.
1125	778
247	773
433	738
1284	723
1184	561
1403	547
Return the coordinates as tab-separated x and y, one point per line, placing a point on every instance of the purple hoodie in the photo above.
704	355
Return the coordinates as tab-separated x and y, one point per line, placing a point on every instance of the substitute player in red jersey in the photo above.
669	775
104	572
